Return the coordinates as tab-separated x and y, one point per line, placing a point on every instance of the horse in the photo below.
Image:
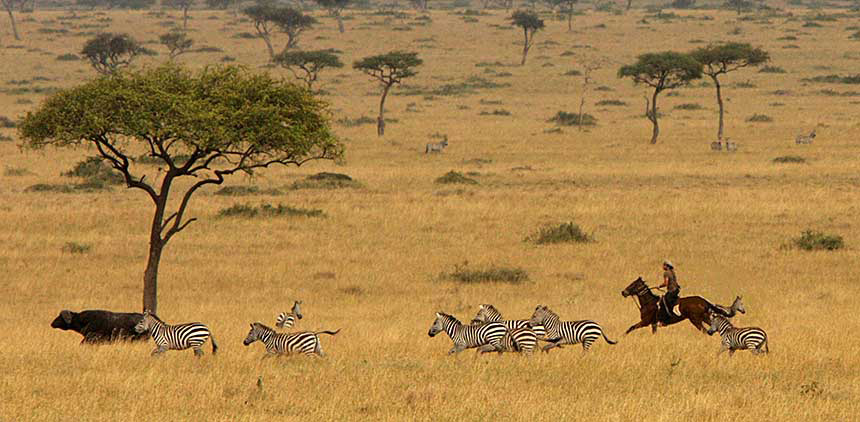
693	308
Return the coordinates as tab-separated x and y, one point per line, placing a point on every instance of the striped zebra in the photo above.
752	338
175	337
522	339
559	333
306	342
805	139
489	313
468	336
287	320
731	146
716	146
437	146
731	311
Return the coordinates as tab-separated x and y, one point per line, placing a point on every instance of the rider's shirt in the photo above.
673	282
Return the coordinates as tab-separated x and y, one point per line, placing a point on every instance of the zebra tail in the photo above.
214	345
328	332
607	338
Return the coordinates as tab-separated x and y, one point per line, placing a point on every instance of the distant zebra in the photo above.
731	146
559	333
805	139
523	340
287	320
489	313
437	147
752	338
306	342
467	336
175	337
716	146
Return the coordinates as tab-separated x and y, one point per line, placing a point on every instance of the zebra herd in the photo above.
194	335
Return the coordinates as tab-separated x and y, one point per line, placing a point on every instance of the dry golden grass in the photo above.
721	217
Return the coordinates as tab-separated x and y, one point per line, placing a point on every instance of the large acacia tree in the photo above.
201	127
719	59
389	69
661	71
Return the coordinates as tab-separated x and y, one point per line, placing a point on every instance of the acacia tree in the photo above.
306	65
177	42
565	7
334	8
266	16
108	52
293	22
661	71
220	121
263	15
530	23
10	6
719	59
389	69
182	5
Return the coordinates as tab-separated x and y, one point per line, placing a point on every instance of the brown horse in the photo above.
694	308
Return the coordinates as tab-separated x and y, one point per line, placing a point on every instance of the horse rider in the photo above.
670	283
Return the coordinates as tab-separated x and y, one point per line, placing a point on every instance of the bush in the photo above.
563	118
326	180
74	247
564	233
811	240
789	159
835	79
497	112
95	172
268	210
68	57
15	171
363	120
771	69
67	188
760	118
464	274
453	177
610	103
8	123
246	190
688	106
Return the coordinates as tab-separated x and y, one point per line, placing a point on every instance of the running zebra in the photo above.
805	139
523	340
437	147
489	313
287	320
559	333
306	342
175	337
468	336
752	338
731	311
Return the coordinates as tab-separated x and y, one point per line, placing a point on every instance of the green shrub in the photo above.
68	57
363	120
8	123
688	106
15	171
771	69
497	112
241	190
610	103
76	248
835	79
326	180
453	177
491	274
759	118
95	171
564	118
811	240
268	210
563	233
790	159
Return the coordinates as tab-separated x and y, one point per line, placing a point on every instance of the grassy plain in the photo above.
372	266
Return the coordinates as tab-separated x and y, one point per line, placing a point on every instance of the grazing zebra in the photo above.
716	146
731	146
306	342
437	147
468	336
559	333
523	340
287	320
489	313
805	139
752	338
175	337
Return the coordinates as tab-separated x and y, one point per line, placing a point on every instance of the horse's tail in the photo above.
607	338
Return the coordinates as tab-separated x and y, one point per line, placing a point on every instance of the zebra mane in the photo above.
154	316
450	317
491	308
263	326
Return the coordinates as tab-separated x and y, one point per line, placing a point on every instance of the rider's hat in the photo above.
668	264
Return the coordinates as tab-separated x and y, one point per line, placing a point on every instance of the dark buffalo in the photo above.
100	327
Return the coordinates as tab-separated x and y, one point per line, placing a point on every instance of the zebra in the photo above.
716	146
805	139
731	146
489	313
175	337
559	333
467	336
752	338
306	342
287	320
437	147
522	339
731	311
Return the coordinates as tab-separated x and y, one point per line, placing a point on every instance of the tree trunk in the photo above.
653	118
629	3
339	23
156	246
14	26
380	121
720	104
265	38
570	20
185	18
525	46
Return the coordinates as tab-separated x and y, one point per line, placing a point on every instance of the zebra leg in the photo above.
456	349
487	348
731	352
158	350
198	351
318	350
551	345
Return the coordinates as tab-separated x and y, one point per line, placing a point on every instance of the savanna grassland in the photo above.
372	265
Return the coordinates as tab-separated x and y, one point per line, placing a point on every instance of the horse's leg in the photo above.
637	325
697	322
654	328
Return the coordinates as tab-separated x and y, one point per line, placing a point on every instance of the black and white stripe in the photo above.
805	139
175	337
468	336
752	338
523	340
306	342
559	333
489	313
288	319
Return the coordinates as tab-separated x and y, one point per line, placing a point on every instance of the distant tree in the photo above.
11	6
201	127
131	4
263	15
266	16
92	4
177	42
738	5
719	59
220	4
565	7
661	71
530	23
389	69
306	65
293	22
629	4
419	4
334	8
108	52
182	5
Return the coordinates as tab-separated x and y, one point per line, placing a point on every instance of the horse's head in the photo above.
635	288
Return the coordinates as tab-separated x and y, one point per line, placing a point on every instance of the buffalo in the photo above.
99	327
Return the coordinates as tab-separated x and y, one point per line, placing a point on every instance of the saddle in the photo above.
663	315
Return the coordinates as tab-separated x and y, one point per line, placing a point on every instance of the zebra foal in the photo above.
306	342
559	333
175	337
437	146
523	340
751	338
489	313
468	336
287	320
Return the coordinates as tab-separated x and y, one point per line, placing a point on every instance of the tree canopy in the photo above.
108	52
389	69
530	23
728	57
664	70
177	42
310	62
